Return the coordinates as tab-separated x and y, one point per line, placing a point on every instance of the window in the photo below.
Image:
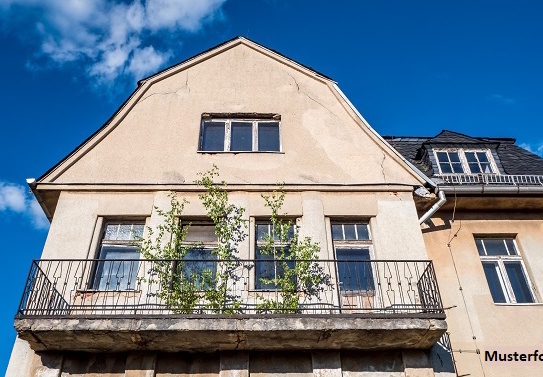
460	161
269	267
352	245
504	270
118	265
200	259
240	135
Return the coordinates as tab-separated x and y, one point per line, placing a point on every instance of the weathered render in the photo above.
333	168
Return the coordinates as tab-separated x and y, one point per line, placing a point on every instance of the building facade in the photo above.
93	305
484	234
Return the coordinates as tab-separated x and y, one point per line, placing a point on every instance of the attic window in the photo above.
461	161
241	134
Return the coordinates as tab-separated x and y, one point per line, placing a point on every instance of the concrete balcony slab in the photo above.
236	332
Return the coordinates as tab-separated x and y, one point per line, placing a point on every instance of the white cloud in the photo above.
537	148
146	60
110	38
502	99
16	199
38	218
12	197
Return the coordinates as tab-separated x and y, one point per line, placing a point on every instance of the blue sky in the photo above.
410	67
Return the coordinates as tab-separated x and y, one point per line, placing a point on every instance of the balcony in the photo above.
120	305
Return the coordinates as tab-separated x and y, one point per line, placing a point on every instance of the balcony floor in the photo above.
236	332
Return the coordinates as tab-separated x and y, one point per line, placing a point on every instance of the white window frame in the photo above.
130	243
500	261
208	246
276	244
353	244
228	134
463	160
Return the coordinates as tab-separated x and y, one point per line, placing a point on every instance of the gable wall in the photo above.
157	141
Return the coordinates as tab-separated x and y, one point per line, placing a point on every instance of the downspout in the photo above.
435	207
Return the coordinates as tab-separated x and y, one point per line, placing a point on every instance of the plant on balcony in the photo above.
185	289
231	230
188	290
164	247
297	276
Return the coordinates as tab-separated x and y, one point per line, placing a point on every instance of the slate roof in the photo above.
511	159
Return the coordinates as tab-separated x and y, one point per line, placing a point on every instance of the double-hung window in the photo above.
272	255
240	135
352	244
504	270
117	267
464	161
200	262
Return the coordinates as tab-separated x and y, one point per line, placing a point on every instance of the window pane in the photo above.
355	273
470	156
491	272
457	167
482	156
268	136
262	232
480	248
112	273
199	266
445	168
241	136
349	231
363	232
454	157
442	157
111	231
511	247
486	168
268	269
337	231
495	247
474	168
201	233
213	136
516	276
125	232
137	231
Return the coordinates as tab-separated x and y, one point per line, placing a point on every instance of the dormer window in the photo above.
241	134
463	161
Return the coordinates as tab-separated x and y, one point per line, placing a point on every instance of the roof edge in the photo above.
375	133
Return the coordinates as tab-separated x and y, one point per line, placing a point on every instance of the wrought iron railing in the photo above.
492	179
93	287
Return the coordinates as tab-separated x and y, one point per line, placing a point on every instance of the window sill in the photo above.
240	152
519	304
82	292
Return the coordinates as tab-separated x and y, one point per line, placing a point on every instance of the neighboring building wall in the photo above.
475	321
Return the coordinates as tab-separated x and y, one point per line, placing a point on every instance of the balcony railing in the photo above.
492	179
129	288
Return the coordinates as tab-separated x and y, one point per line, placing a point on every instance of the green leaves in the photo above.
187	289
300	278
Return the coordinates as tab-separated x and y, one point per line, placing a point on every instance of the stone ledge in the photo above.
228	333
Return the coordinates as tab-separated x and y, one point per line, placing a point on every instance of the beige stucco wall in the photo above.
155	139
502	327
75	230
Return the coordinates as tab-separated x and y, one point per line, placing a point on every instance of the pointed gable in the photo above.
154	138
